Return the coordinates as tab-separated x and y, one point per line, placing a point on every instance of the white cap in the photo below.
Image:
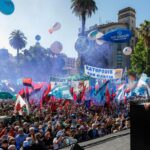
11	147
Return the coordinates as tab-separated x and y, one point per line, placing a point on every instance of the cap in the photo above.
11	147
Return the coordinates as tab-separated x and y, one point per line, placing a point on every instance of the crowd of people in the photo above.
59	124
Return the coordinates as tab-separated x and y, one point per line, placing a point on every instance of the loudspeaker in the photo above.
76	147
140	126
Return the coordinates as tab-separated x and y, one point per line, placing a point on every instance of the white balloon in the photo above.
99	35
127	51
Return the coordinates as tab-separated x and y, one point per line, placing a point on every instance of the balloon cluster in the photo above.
7	7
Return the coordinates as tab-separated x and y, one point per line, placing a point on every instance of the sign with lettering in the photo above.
101	73
118	36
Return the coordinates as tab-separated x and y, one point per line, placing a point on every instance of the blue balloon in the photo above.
38	37
7	7
117	36
82	45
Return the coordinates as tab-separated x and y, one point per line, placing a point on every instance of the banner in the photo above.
118	36
100	73
61	92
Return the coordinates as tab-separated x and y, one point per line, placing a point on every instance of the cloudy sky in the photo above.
36	16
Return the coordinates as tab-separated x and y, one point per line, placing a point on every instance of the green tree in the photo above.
138	58
83	9
17	40
144	33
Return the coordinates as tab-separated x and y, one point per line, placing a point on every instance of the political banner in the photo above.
101	73
117	36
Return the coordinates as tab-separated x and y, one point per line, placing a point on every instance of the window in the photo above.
119	52
119	65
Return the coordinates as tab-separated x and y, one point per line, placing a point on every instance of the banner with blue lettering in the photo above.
118	36
101	73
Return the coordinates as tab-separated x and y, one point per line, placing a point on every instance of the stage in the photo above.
116	141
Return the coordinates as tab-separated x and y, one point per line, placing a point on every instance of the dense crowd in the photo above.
59	124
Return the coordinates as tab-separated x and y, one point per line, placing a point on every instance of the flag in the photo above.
47	90
27	93
98	96
22	93
27	82
61	92
107	96
37	86
83	92
43	93
143	82
21	105
74	96
141	89
120	94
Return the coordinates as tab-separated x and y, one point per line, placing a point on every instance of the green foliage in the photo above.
83	9
144	33
140	59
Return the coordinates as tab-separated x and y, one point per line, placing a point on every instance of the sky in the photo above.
34	17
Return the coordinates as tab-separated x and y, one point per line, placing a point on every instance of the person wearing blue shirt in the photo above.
20	138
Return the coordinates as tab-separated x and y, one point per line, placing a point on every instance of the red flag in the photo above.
74	96
71	90
37	86
53	107
22	93
46	92
45	95
107	96
27	82
83	92
27	93
125	100
18	107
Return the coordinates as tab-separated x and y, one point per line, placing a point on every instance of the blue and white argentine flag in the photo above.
61	92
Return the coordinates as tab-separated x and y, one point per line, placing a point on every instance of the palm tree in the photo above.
83	9
17	40
144	33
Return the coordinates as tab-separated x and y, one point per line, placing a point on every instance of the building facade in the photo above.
111	55
70	65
